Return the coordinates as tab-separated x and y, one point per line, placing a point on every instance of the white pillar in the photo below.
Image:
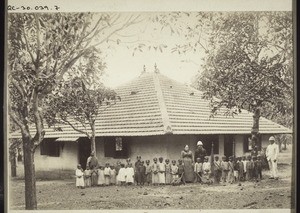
221	145
239	145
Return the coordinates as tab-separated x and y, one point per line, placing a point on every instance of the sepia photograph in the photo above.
134	109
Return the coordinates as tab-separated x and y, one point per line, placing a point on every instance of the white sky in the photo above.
122	65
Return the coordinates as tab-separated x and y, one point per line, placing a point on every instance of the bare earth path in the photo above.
64	195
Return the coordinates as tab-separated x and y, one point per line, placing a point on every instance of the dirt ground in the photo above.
60	195
64	195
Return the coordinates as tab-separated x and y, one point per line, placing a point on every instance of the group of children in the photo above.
162	172
239	169
104	176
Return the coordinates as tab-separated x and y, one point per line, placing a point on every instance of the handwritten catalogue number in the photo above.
36	8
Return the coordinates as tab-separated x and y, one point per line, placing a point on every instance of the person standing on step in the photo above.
92	161
200	152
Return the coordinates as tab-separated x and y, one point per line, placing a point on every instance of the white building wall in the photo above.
167	146
67	160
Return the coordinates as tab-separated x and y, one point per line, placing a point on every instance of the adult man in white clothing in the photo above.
272	154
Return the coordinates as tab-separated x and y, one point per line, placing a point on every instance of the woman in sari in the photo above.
187	158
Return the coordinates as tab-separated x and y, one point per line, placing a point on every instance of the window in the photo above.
20	155
50	147
116	147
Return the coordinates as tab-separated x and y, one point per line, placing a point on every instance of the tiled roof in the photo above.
153	104
189	113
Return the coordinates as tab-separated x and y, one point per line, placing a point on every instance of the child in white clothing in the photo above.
79	177
112	175
107	174
129	174
101	178
122	175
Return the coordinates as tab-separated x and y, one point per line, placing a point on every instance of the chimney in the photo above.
156	70
144	70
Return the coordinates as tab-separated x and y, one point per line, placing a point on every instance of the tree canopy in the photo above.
81	98
249	65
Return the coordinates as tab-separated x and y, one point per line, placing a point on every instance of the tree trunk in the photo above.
255	132
93	142
13	165
284	143
29	170
280	147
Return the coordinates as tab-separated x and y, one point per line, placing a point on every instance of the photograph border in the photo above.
148	6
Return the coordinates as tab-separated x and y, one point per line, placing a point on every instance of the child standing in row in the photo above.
161	171
235	170
129	174
122	175
107	174
79	177
101	177
181	171
168	171
231	170
137	173
142	170
225	169
258	164
249	168
174	170
198	170
206	168
217	170
113	175
148	172
155	170
87	177
240	167
94	178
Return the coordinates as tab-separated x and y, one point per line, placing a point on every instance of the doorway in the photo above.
228	145
84	151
